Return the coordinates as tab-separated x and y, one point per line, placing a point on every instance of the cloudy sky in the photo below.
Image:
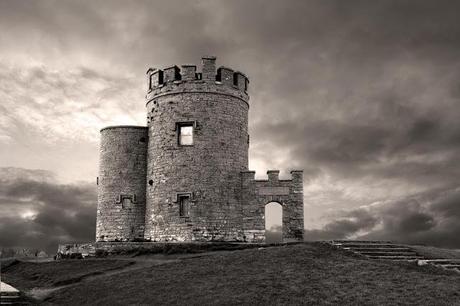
362	95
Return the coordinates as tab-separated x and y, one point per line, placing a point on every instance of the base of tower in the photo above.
103	249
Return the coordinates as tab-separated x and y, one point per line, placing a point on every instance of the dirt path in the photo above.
40	294
140	262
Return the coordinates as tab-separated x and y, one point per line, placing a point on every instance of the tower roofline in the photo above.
174	76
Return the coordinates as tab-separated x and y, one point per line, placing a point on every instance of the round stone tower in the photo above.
121	183
197	146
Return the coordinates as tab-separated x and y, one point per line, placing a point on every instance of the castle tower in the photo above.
185	176
121	183
197	147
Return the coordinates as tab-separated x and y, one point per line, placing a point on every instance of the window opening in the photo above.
126	203
186	135
160	77
184	204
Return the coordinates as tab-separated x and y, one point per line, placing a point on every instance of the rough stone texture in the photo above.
256	194
208	170
209	68
121	183
108	248
226	202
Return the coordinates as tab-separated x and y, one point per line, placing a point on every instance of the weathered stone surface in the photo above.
254	202
121	183
273	190
141	186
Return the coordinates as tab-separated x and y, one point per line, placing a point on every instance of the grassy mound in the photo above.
28	275
312	274
178	248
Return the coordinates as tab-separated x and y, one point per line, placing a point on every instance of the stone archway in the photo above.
273	222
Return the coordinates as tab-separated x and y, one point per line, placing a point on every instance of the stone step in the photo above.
396	257
448	261
371	253
9	295
375	245
456	260
449	266
12	296
359	241
10	300
377	249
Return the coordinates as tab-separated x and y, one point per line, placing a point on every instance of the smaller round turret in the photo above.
121	183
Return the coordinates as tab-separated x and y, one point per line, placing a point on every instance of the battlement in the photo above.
273	189
273	176
170	78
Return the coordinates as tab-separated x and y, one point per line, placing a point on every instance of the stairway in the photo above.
378	249
449	264
9	295
387	250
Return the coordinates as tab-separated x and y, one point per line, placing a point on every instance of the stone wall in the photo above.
256	194
102	249
121	183
209	170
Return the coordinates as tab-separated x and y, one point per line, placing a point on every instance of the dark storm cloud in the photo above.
371	90
351	223
430	218
40	213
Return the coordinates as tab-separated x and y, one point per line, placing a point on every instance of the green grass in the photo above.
310	273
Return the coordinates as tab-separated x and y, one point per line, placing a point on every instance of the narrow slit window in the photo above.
150	82
184	203
186	135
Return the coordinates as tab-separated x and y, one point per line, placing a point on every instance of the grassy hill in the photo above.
309	273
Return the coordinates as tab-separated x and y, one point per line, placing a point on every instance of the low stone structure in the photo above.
9	295
184	177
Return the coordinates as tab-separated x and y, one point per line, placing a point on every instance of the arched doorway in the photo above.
273	223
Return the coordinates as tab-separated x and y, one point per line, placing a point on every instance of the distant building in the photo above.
185	177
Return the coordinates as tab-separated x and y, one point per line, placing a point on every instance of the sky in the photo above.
362	95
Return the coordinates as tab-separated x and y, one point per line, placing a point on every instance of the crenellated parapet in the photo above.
273	188
176	80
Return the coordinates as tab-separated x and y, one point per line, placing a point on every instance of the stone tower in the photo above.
121	183
201	176
185	176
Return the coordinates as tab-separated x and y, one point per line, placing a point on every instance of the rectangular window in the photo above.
184	203
186	135
126	203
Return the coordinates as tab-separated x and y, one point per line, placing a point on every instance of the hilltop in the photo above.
18	252
307	273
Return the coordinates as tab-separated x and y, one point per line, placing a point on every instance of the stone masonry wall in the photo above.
209	170
121	183
256	194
